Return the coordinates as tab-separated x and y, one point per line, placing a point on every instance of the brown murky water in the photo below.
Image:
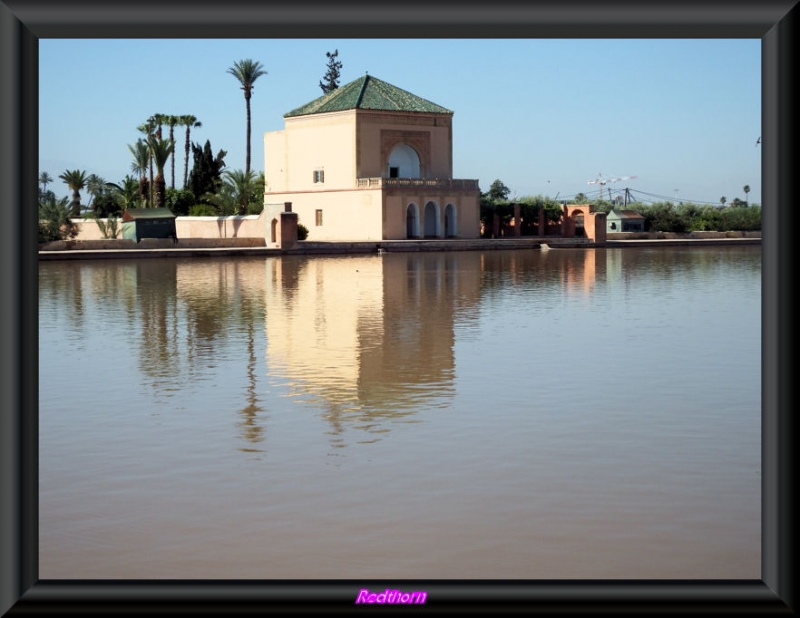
569	414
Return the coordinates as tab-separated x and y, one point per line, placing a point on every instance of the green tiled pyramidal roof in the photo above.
368	93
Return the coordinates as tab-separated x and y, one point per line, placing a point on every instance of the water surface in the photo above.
513	414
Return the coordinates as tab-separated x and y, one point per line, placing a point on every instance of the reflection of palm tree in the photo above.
252	431
156	303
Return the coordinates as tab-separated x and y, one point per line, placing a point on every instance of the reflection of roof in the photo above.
132	214
626	214
368	93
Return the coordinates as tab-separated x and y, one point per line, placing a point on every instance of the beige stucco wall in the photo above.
352	148
275	164
346	215
248	226
429	134
308	143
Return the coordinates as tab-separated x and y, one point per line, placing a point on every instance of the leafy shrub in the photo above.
179	201
302	232
203	210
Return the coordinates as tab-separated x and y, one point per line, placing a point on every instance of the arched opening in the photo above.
274	231
450	221
431	220
580	231
403	162
412	221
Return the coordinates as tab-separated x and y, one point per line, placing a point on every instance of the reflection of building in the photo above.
369	337
369	161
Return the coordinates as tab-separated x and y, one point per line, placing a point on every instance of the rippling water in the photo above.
513	414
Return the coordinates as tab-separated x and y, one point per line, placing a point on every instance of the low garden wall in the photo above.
186	228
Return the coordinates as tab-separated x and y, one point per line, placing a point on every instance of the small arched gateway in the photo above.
581	220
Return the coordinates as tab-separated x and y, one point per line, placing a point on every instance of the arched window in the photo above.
403	162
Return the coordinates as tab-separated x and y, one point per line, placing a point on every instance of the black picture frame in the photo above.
24	22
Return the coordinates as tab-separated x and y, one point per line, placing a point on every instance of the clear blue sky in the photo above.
545	116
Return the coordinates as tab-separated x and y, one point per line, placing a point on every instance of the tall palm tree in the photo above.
141	159
75	180
746	190
722	200
171	122
190	122
247	72
161	149
45	179
148	128
160	120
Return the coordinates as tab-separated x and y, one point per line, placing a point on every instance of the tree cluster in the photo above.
659	217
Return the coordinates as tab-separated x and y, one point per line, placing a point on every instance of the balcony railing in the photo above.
436	183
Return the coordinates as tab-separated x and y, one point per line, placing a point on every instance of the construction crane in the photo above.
604	180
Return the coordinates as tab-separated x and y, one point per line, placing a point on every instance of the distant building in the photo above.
624	221
369	161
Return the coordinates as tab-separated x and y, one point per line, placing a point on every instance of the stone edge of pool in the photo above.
66	250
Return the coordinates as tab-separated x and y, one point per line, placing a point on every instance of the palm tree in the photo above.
160	120
247	72
746	190
75	180
161	149
722	200
45	179
243	185
141	159
54	219
190	122
126	192
172	121
148	128
95	185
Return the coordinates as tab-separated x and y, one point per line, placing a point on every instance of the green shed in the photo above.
624	221
138	223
